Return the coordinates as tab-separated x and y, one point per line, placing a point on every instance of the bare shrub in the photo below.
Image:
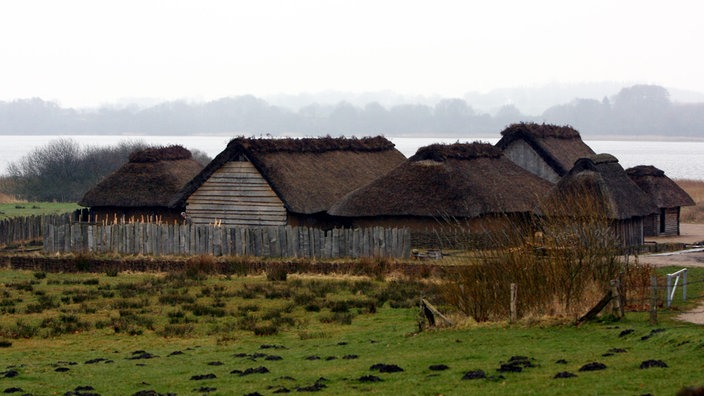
177	330
276	273
266	329
199	267
21	329
562	263
636	286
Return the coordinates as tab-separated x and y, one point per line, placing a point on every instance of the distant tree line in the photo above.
637	110
63	171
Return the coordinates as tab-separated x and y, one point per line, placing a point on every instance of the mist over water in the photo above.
679	159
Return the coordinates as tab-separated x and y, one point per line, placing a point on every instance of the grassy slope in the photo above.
695	189
387	336
35	208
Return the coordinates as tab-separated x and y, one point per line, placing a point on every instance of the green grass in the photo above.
387	336
35	208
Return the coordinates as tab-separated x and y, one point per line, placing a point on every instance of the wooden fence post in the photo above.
514	296
654	300
615	299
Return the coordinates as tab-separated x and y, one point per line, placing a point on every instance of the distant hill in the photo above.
593	109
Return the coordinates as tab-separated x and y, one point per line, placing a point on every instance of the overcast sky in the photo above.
86	52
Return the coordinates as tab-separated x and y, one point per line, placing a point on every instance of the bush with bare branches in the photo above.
562	263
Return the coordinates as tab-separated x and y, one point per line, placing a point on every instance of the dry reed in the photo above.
695	189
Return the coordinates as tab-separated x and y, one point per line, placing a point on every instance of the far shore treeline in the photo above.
639	110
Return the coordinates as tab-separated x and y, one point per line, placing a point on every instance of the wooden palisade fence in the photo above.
186	239
27	228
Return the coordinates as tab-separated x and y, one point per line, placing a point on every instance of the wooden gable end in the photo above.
523	155
236	195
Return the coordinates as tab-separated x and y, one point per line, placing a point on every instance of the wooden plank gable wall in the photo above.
523	155
236	195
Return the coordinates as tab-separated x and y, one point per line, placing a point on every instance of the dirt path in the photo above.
691	234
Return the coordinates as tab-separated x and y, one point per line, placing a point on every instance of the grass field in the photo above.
186	333
8	210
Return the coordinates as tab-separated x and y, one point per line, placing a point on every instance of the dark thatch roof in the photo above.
665	192
150	179
457	180
309	174
599	180
559	146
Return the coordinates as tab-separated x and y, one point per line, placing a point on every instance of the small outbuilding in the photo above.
144	187
667	195
548	151
473	185
599	186
272	182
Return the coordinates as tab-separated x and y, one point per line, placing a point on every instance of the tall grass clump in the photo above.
561	261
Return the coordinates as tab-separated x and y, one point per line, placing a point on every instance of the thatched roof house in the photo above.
548	151
599	185
445	182
667	195
261	182
144	186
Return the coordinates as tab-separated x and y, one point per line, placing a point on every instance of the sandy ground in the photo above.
691	234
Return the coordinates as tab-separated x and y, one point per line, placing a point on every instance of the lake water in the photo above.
679	160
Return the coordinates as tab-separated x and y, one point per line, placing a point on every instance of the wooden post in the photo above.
654	300
615	299
514	295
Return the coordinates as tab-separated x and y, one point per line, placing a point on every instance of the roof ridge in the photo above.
464	151
543	130
312	145
160	153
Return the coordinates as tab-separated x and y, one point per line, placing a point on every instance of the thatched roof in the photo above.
559	146
600	181
150	178
456	180
309	174
665	192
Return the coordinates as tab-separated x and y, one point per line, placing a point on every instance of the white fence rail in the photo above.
671	287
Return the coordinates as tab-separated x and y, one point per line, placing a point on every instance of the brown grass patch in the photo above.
695	189
4	199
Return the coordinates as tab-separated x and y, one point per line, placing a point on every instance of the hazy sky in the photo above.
88	52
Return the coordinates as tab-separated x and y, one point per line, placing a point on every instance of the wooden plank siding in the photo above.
664	223
671	225
651	225
236	195
523	155
629	232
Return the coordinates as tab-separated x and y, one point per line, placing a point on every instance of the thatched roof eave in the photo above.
145	181
663	190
